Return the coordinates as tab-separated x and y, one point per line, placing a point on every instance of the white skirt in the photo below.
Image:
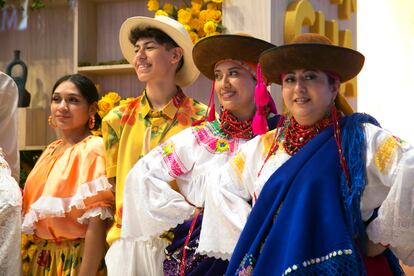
134	257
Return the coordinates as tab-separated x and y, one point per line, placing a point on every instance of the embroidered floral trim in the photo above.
4	166
171	159
237	164
385	154
213	140
246	266
48	207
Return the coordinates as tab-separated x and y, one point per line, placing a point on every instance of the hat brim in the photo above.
188	72
344	62
208	51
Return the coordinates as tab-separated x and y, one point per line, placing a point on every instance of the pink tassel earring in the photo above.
211	105
211	109
261	95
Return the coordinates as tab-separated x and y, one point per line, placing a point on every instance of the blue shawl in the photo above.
306	218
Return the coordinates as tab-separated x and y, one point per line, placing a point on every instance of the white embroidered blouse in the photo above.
151	206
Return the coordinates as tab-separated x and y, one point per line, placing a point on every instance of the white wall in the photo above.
385	35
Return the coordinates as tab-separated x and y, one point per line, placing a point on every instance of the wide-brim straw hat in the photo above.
175	30
208	51
315	52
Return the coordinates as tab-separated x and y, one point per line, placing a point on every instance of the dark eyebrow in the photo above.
70	94
145	43
231	68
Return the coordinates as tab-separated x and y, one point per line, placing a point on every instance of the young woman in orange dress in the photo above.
67	198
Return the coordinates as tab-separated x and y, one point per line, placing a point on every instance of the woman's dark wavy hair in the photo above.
86	87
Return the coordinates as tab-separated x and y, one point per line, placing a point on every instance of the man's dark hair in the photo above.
158	35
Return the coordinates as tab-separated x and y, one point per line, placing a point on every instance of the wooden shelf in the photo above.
106	69
31	148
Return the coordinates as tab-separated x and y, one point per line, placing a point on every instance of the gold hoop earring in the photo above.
91	122
50	122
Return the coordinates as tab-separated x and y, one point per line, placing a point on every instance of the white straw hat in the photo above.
175	30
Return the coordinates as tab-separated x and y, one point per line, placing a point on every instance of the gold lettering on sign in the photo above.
319	26
331	31
346	8
298	14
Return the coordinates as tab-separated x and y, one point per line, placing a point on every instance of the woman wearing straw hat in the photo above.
160	50
329	187
151	206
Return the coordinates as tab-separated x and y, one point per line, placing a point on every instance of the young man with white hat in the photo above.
160	50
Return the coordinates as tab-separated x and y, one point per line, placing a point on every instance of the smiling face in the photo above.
308	95
69	108
154	61
234	87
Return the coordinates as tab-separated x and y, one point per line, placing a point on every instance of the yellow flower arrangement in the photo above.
107	102
201	18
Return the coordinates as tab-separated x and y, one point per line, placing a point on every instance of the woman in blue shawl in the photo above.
332	192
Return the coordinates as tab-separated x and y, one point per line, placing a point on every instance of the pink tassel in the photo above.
261	95
212	113
259	123
211	109
211	105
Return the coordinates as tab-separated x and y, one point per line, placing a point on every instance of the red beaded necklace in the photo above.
234	127
298	135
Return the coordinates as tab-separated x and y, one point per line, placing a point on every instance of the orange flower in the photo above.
196	24
211	6
153	5
129	112
210	27
184	16
194	37
168	8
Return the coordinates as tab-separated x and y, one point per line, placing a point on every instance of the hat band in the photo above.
247	66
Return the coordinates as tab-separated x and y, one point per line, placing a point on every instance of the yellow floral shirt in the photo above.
132	129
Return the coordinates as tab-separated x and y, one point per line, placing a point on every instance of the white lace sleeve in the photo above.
10	221
390	186
10	261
